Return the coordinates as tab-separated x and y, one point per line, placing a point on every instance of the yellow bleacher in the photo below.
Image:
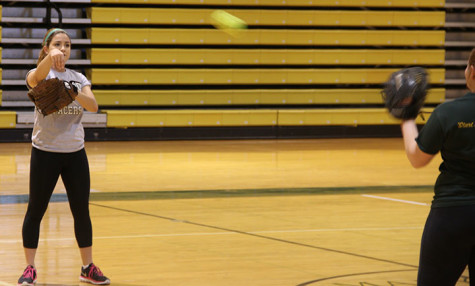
141	76
346	116
190	118
257	37
358	96
144	56
233	118
290	3
7	119
173	16
354	50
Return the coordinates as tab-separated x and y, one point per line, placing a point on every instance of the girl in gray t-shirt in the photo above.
58	150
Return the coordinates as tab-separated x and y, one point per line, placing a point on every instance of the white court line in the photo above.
223	233
5	284
396	200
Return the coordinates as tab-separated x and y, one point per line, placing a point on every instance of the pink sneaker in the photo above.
92	274
29	276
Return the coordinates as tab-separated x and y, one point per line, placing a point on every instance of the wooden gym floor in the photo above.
260	212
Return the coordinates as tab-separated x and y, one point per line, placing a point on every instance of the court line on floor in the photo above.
295	243
395	200
223	233
353	275
5	284
97	195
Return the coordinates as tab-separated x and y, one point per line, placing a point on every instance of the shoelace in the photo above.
95	270
29	272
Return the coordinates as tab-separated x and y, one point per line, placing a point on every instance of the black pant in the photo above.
448	246
45	169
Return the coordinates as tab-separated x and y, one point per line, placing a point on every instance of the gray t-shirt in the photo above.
61	131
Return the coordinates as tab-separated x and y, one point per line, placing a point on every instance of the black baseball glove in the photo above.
405	92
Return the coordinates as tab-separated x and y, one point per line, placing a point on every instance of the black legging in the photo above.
45	169
448	246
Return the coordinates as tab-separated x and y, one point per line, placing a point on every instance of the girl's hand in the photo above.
57	60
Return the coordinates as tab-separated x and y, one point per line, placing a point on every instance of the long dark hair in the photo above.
47	40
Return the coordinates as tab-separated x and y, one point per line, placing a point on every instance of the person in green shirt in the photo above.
448	240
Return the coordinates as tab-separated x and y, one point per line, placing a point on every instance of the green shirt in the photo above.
451	130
